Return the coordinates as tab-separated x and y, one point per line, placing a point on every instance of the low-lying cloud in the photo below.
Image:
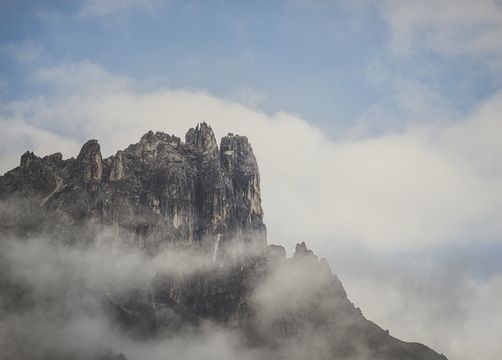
411	191
439	302
417	188
55	304
53	296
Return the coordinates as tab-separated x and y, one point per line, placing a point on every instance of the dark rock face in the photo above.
157	193
196	198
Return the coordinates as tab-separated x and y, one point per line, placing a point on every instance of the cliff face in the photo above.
196	199
160	192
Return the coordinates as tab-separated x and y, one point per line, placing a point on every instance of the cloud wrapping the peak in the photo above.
421	187
415	175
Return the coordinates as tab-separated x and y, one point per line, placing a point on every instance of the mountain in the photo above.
158	192
193	210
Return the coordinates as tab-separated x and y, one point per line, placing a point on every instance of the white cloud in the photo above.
64	314
18	136
249	97
404	100
418	188
81	78
466	27
455	314
425	186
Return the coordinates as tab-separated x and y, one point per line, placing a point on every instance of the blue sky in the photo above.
296	58
320	59
376	124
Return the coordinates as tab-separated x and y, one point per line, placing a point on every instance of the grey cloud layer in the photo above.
438	303
60	313
405	191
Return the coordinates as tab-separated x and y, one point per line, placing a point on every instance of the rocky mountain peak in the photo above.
156	193
202	138
301	250
90	162
154	139
162	196
26	159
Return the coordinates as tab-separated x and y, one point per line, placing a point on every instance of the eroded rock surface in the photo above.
194	197
160	192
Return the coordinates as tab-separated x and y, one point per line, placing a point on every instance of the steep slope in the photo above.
157	193
200	202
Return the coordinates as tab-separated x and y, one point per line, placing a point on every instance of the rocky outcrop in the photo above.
196	198
160	192
90	163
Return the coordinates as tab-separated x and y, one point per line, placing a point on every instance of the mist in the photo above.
53	302
56	300
376	126
437	188
447	298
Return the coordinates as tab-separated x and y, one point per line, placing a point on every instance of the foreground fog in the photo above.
407	219
52	303
376	126
54	299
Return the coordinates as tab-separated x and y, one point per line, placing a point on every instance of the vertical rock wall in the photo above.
159	192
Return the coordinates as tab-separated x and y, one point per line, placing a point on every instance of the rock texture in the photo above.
160	192
198	197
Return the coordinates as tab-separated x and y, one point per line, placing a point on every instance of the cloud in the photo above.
106	8
25	52
427	185
18	135
56	302
76	78
437	303
52	297
404	100
249	97
423	186
470	28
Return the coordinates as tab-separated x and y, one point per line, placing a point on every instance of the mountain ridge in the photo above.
194	198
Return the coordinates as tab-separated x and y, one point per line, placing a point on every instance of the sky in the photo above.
376	125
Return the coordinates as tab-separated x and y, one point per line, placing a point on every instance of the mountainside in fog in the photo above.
164	239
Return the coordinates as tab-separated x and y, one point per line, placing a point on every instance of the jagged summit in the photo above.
90	162
159	192
196	197
202	138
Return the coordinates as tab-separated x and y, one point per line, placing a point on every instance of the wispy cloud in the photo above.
470	28
385	187
107	8
456	313
425	186
24	52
